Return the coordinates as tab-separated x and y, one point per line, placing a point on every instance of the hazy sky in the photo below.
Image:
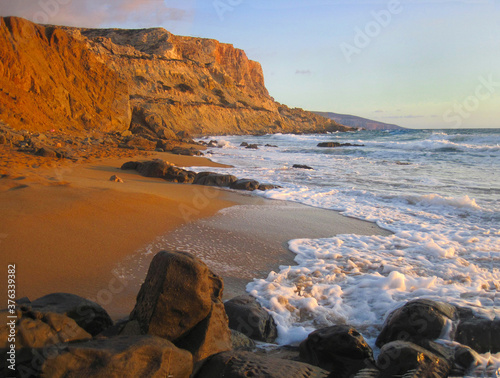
414	63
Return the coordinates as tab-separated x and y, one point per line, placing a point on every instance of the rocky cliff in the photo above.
149	81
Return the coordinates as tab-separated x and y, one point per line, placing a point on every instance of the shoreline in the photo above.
72	230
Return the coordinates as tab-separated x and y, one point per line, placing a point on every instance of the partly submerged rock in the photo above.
245	184
340	349
337	144
418	319
247	316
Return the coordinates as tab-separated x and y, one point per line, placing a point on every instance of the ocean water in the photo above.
438	191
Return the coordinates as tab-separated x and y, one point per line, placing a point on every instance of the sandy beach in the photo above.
69	229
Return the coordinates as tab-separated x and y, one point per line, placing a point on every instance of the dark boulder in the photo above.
252	147
245	184
271	145
126	356
87	314
302	166
417	319
161	169
214	179
337	144
247	316
481	334
238	364
130	165
243	144
340	349
400	358
153	168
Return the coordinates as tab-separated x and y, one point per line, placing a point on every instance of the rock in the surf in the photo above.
247	316
339	348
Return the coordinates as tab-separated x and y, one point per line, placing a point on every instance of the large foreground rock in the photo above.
87	314
246	364
122	356
247	316
418	319
339	349
180	300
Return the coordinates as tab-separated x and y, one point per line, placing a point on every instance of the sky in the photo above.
415	63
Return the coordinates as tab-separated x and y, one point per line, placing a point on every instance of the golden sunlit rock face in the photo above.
148	80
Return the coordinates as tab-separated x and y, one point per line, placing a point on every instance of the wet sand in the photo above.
69	229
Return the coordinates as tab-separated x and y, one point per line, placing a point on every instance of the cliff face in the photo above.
148	80
49	80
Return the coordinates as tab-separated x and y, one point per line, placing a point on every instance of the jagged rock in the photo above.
340	349
247	316
214	179
417	319
243	144
241	341
180	300
398	358
87	314
245	184
337	144
271	145
125	356
212	143
302	166
238	364
252	147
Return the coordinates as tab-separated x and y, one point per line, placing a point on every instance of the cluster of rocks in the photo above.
254	146
180	327
337	144
167	171
59	144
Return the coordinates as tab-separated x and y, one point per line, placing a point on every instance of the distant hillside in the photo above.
354	121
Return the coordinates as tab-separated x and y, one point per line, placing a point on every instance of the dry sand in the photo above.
69	229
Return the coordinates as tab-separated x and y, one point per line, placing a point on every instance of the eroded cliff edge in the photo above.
147	80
